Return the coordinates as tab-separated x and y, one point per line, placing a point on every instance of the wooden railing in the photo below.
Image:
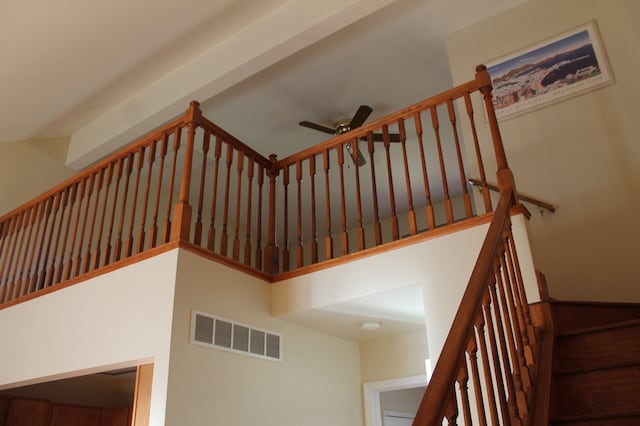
485	372
192	183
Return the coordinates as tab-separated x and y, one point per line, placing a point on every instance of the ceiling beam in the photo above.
287	29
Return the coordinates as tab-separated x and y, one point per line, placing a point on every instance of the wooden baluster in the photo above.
452	411
520	375
314	229
10	283
285	219
377	228
431	221
145	203
174	164
486	367
463	178
125	197
261	173
299	252
197	238
225	216
68	267
328	237
164	148
107	185
7	261
356	157
211	236
89	254
521	293
41	262
114	205
78	258
472	353
344	237
413	227
443	173
4	235
52	267
500	359
72	201
485	190
31	270
21	261
236	234
463	386
134	204
395	232
271	260
247	240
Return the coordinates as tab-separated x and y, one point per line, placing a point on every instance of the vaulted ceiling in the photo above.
107	72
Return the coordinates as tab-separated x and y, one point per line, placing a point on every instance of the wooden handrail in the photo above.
438	393
495	301
526	198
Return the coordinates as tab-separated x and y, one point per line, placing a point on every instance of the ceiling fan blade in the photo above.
317	127
393	137
361	116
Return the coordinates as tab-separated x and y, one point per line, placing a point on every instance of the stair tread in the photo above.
608	366
598	328
596	416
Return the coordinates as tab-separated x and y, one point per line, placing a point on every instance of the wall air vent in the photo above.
218	333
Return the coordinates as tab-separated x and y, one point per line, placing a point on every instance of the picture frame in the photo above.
555	69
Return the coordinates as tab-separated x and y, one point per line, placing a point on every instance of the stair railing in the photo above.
484	372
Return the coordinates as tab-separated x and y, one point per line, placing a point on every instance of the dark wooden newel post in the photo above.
181	225
271	260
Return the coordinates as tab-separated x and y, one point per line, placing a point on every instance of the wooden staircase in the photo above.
596	372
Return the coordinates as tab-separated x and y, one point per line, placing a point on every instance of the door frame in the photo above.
371	394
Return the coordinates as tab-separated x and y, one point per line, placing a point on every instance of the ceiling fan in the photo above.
345	125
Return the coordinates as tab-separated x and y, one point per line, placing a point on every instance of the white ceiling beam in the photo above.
287	29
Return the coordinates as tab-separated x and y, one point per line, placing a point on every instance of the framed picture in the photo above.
555	69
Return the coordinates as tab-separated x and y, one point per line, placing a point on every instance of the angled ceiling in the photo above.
106	73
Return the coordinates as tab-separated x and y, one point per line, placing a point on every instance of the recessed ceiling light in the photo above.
370	325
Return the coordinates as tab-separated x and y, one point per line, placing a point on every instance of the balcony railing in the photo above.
192	183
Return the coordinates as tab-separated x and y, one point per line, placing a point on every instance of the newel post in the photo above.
271	260
504	174
181	224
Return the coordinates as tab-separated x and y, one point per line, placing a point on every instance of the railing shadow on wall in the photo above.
192	183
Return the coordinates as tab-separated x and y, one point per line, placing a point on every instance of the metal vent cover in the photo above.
218	333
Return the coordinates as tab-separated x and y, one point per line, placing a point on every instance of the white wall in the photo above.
317	382
111	321
582	154
442	265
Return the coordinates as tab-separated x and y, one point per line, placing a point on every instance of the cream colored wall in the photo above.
402	355
29	168
441	265
112	321
581	154
317	382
